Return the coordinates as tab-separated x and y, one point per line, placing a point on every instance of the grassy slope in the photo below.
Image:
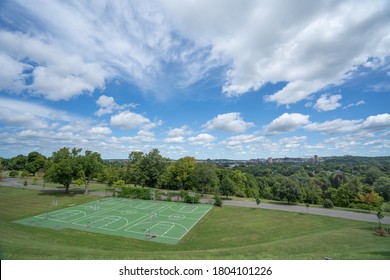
224	233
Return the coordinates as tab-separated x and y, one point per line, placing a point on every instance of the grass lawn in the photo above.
224	233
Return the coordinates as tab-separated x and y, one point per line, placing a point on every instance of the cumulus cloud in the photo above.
108	105
202	139
311	45
230	122
53	72
376	123
334	126
370	124
286	123
177	135
328	103
129	120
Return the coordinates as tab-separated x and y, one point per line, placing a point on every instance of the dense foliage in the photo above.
358	182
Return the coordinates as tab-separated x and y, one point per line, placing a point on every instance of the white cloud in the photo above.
179	132
230	122
129	120
177	135
108	105
286	123
310	45
328	103
74	48
376	123
335	126
59	74
100	130
202	139
359	103
243	139
370	124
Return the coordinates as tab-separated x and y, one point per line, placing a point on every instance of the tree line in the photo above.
356	182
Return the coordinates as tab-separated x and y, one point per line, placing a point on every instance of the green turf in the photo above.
159	221
223	233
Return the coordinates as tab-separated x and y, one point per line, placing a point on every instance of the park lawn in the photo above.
224	233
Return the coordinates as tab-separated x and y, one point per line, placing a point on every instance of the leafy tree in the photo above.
240	182
63	167
35	162
372	174
204	178
288	189
369	201
89	167
134	173
382	186
18	163
152	167
181	173
227	186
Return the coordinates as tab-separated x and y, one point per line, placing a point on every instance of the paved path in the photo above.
316	211
13	182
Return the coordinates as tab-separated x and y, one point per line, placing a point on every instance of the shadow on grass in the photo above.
284	203
60	193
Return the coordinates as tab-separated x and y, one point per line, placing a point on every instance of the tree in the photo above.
380	216
89	167
134	173
240	182
63	167
204	178
369	201
382	186
182	172
288	189
35	162
227	186
152	167
18	163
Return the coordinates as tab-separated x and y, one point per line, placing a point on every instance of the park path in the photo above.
13	182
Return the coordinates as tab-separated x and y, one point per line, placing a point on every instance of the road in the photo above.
13	182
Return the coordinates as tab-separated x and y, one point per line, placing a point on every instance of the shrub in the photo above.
25	174
328	203
218	200
140	193
187	198
386	207
14	173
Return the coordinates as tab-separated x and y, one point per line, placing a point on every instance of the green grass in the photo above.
224	233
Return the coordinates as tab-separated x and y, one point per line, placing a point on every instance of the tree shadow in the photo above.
60	193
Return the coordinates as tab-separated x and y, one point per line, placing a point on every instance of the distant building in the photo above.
269	160
315	158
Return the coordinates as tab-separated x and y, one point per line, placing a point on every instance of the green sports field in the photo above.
159	221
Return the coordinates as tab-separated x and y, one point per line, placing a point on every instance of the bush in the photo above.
328	203
25	174
218	200
187	198
14	174
140	193
386	207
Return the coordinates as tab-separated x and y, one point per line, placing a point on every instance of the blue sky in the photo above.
209	79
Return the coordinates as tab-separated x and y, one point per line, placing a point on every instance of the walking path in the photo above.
13	182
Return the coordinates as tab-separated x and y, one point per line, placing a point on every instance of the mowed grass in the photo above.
224	233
